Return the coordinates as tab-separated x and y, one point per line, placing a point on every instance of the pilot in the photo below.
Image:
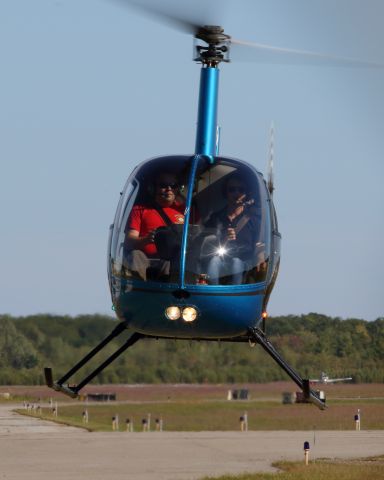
230	252
164	208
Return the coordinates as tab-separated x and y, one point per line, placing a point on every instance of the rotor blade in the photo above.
182	16
248	51
188	17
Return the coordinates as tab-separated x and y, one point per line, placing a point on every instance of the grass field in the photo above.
204	407
363	469
159	392
222	416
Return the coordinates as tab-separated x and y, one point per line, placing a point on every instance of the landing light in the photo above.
189	314
173	313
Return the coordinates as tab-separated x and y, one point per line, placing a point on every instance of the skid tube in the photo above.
73	390
257	336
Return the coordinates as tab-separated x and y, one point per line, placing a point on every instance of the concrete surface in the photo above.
31	449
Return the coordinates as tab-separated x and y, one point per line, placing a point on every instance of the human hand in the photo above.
150	237
231	234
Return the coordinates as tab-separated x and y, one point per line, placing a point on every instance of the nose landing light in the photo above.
173	313
188	314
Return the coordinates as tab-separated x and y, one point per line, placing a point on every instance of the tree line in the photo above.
310	343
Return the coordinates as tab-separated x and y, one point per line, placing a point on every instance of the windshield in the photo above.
226	240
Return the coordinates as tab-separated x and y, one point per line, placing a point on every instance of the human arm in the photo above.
137	233
133	241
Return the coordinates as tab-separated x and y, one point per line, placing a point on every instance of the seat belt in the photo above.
163	215
241	223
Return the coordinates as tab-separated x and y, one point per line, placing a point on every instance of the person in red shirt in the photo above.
143	222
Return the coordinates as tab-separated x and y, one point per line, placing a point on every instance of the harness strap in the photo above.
163	215
241	223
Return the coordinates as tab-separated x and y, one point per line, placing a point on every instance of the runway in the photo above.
33	449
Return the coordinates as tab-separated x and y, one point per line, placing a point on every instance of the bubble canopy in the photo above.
192	220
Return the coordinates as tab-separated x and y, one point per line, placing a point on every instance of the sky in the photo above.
91	88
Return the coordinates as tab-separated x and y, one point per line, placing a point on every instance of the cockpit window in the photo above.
149	222
226	237
230	248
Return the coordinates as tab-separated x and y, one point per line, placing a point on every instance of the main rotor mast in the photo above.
210	54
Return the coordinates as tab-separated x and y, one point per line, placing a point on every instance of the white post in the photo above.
306	452
85	416
242	423
246	421
357	420
149	421
145	424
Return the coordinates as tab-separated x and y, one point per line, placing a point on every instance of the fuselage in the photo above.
232	304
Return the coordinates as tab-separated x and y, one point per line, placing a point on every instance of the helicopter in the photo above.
182	278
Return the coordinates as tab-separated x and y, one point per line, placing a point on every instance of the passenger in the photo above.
164	208
230	252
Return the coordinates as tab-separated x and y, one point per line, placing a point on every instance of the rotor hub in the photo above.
215	47
212	34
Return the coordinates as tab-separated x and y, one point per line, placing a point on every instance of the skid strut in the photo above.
73	391
256	335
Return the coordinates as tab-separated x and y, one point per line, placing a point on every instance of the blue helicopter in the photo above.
194	248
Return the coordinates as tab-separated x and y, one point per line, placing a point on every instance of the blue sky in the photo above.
90	89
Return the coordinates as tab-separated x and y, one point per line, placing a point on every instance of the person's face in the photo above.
166	188
236	192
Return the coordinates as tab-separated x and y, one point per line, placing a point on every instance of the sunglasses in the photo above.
173	186
236	189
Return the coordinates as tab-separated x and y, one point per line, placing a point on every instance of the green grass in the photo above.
363	469
199	415
17	398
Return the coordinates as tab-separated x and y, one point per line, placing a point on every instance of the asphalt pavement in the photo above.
32	449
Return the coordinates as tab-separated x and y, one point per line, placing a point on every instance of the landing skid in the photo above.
257	336
73	391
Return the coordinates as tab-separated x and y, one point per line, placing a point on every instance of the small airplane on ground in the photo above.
324	379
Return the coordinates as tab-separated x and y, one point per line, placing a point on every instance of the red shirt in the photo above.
144	219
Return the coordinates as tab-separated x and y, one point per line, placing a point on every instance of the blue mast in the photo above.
205	141
213	51
207	111
210	56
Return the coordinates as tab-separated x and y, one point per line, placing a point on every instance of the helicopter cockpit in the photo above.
192	221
